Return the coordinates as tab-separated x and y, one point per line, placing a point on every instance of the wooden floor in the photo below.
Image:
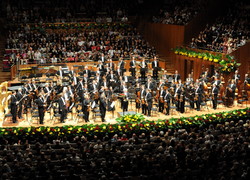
72	120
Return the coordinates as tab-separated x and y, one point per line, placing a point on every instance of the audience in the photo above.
215	151
228	33
179	12
77	44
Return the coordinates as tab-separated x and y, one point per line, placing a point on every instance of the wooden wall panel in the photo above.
242	55
164	37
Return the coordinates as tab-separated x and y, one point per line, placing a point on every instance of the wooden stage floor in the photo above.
28	121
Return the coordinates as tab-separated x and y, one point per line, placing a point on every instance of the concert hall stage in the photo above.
111	118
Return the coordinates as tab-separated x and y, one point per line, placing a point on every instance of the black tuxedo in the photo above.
167	99
86	103
13	107
215	92
155	66
60	73
62	108
176	77
103	108
88	72
162	94
121	68
41	109
132	65
143	69
20	104
149	85
149	101
198	94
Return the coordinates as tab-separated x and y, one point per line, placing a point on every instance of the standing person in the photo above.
197	97
62	108
143	103
149	101
86	107
132	66
144	67
167	99
215	92
13	106
120	68
162	94
41	107
155	66
125	100
103	106
19	96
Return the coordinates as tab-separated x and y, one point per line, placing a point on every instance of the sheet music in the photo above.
112	104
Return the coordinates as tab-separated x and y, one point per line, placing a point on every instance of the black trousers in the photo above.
13	111
215	102
103	113
41	113
20	110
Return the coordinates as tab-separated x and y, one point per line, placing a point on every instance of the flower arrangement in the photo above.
228	64
131	118
143	125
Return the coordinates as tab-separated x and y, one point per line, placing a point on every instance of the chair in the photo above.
204	104
172	108
8	116
189	107
56	116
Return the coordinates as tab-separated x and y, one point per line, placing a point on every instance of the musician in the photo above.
60	72
176	76
124	101
198	96
13	106
103	58
143	69
71	71
155	66
189	80
74	79
103	106
232	88
167	99
247	79
215	92
162	94
149	84
182	100
177	96
111	65
120	68
85	79
149	101
100	67
25	89
105	83
19	96
236	77
216	81
111	78
94	87
62	108
138	94
86	107
216	74
132	65
87	72
143	94
41	107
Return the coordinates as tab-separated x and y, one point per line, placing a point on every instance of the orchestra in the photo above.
109	82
